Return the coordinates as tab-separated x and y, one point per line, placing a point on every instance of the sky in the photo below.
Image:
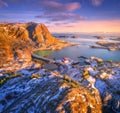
65	15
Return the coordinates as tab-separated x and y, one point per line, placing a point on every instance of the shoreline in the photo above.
55	47
21	63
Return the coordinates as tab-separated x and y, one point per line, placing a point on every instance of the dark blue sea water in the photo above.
83	41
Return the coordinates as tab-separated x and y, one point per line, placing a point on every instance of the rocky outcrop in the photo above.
70	87
116	39
112	46
67	36
99	37
42	91
98	76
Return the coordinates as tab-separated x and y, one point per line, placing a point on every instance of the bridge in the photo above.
49	60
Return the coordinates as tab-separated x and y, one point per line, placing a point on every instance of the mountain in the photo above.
39	34
17	39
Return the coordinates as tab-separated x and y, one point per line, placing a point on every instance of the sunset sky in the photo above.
65	15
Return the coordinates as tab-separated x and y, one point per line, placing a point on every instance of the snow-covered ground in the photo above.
95	75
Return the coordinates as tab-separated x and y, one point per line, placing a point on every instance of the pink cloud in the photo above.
52	4
62	17
97	2
54	7
2	3
72	6
72	16
55	11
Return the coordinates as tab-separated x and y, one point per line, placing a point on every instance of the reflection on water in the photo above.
83	49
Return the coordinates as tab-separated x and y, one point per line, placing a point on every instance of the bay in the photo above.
82	48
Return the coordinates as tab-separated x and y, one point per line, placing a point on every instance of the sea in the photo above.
83	47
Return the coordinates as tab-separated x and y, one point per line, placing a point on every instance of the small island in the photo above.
99	37
111	46
116	39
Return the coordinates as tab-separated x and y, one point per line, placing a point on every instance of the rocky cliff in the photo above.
39	34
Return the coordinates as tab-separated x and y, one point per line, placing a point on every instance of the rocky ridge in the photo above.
72	87
41	90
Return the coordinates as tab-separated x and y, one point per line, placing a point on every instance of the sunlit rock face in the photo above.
22	54
47	92
5	49
39	34
17	31
13	37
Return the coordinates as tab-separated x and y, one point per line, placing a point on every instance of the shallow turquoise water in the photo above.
83	49
74	52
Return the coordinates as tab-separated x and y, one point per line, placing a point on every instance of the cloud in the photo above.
69	17
55	7
97	2
55	11
2	4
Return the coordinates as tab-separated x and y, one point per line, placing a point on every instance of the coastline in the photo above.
61	44
27	61
94	83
